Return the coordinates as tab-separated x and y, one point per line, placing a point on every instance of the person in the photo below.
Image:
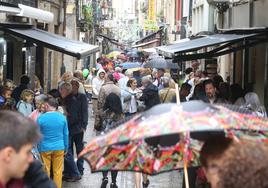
37	86
107	88
185	91
9	103
235	163
76	110
252	103
97	82
224	91
112	113
40	108
130	105
56	94
54	128
237	95
150	95
166	94
18	134
80	78
25	105
211	93
24	81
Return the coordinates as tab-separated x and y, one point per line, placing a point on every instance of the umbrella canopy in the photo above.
161	63
150	143
113	54
130	65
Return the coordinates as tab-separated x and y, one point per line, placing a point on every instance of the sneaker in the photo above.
113	185
104	182
145	184
71	179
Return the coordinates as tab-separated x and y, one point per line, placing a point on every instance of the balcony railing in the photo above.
32	3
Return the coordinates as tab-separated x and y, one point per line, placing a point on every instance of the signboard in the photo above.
150	25
151	10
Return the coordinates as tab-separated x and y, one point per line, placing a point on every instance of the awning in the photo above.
55	42
222	44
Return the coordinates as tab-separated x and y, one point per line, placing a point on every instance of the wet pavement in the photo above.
124	179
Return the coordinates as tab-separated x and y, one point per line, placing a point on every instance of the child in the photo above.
25	106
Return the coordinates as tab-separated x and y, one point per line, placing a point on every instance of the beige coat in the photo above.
166	95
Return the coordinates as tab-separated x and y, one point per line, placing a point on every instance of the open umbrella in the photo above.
130	65
155	142
161	63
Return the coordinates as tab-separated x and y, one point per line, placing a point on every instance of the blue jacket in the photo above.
54	127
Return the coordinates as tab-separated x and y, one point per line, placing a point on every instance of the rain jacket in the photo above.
96	84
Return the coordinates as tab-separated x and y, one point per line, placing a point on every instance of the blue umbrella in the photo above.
130	65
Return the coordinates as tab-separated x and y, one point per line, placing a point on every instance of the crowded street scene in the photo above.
133	94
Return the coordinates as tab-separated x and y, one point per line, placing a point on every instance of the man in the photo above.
77	125
17	136
79	75
167	93
54	144
150	93
107	88
24	81
211	95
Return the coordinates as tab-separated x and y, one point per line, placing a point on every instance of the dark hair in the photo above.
217	79
236	92
213	148
188	70
208	81
113	103
24	79
130	81
110	76
51	101
54	93
16	130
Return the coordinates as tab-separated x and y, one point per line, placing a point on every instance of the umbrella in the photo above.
160	63
151	142
113	54
130	65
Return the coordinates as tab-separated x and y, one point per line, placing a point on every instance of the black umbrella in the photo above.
160	63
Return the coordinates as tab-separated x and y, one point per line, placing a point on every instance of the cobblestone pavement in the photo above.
124	179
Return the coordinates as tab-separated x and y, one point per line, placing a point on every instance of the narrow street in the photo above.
124	179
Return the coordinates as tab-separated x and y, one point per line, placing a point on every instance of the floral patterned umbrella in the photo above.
146	143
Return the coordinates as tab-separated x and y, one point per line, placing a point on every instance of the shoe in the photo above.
104	182
71	179
113	185
145	184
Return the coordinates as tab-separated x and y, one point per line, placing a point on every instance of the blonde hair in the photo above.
25	93
9	84
37	86
66	77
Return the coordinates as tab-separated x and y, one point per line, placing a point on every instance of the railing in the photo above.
32	3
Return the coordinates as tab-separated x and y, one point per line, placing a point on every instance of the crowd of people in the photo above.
61	116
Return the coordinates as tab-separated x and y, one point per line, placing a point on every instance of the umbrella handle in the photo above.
186	179
177	94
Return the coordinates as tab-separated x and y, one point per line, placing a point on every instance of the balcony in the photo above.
32	3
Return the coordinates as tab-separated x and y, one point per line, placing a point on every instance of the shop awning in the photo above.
55	42
220	44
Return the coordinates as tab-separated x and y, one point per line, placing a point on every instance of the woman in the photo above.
252	102
130	100
112	113
37	86
39	102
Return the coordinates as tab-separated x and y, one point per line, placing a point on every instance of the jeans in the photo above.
72	169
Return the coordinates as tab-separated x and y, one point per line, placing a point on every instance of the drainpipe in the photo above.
63	68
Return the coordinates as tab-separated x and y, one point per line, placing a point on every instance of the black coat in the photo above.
150	96
35	177
77	112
